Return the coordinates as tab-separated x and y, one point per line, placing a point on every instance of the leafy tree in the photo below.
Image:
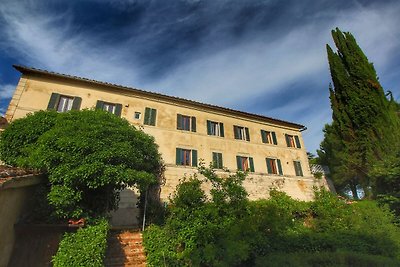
88	156
365	125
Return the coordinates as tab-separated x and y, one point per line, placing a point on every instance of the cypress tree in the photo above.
365	126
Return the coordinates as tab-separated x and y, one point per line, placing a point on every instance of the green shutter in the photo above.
297	168
297	140
220	162
251	164
269	167
278	161
76	104
239	163
287	140
208	127
178	156
247	134
54	98
235	132
215	160
274	138
147	115
194	125
118	110
264	136
221	129
194	158
179	121
99	105
153	117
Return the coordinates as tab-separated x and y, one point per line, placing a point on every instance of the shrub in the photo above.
86	247
88	155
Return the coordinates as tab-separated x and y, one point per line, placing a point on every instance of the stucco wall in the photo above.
14	202
33	93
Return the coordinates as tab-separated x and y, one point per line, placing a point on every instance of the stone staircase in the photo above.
125	249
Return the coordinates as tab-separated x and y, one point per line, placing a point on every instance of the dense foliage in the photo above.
365	127
226	229
86	247
88	156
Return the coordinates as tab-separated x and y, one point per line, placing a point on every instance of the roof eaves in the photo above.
27	70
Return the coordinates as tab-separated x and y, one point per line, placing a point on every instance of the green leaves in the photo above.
86	247
87	155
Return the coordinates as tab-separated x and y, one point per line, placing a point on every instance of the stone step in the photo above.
124	248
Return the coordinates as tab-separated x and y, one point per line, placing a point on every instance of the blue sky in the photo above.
264	57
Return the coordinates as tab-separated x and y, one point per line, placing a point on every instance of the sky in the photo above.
264	57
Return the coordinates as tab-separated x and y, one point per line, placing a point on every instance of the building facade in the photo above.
186	131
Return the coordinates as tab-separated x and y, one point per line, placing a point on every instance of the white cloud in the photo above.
6	90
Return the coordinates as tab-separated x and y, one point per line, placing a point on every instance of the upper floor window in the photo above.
241	133
297	168
274	166
186	157
217	160
64	103
292	141
186	123
113	108
268	137
150	116
215	128
245	163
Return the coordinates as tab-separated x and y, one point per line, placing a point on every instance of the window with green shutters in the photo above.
268	137
292	141
297	168
186	123
113	108
64	103
241	133
274	166
245	163
186	157
215	128
217	160
150	115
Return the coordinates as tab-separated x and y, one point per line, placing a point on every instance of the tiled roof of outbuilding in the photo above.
8	173
28	70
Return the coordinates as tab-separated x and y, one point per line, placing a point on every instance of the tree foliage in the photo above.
88	156
365	125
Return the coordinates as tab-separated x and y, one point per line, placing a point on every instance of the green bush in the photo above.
86	247
229	230
88	155
327	259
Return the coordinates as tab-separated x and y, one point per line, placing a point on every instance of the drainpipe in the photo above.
145	209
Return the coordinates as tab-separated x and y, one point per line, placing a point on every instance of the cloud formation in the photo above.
265	57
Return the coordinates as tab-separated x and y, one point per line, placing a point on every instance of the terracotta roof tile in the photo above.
8	173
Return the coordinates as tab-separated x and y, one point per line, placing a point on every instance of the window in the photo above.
63	103
217	160
150	116
292	141
109	107
274	166
241	133
215	128
186	123
113	108
297	168
245	163
137	115
186	157
268	137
